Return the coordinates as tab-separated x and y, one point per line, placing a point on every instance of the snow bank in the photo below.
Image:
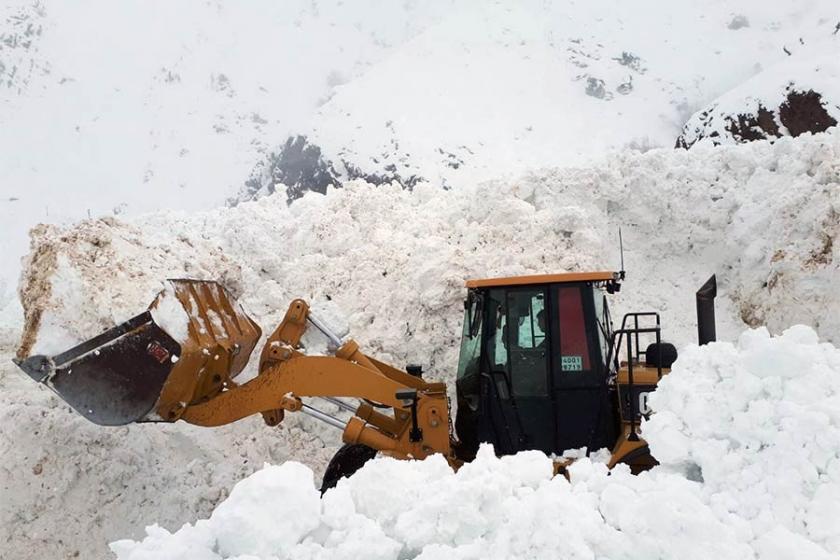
758	422
491	508
393	262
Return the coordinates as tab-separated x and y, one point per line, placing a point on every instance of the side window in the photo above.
602	315
470	345
496	351
531	331
526	342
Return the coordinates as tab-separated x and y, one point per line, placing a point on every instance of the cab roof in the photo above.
544	279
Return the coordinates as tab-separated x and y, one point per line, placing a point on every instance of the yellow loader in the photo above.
540	367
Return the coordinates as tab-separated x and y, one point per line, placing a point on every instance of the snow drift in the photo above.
755	426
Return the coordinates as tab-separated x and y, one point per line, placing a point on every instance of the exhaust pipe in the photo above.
706	311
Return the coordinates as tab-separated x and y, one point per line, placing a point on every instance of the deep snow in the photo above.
811	70
393	265
114	111
497	89
755	425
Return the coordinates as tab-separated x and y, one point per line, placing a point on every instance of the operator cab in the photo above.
533	371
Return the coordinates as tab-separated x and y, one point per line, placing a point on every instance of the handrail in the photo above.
631	359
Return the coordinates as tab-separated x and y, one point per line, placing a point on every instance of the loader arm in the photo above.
416	426
179	360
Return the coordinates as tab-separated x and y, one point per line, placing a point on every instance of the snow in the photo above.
119	110
759	420
393	262
111	112
169	314
65	290
388	266
110	109
495	90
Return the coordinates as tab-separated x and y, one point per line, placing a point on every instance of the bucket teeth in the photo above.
37	367
144	371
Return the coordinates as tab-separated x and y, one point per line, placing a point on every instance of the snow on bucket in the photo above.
193	339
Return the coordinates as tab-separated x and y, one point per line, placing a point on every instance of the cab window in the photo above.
527	342
468	360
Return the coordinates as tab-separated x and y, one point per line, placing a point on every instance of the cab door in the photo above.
516	359
582	409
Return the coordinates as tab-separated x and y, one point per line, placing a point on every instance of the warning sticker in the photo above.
571	363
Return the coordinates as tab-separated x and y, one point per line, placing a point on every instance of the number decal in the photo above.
571	363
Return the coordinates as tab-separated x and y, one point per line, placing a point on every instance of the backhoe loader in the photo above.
540	368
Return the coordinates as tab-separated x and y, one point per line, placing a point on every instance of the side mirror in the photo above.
474	305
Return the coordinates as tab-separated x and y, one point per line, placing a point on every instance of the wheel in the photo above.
346	461
639	460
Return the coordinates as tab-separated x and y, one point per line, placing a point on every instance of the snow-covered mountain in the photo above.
120	108
495	89
124	108
797	95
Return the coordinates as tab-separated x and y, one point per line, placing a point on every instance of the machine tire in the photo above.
639	460
346	461
666	350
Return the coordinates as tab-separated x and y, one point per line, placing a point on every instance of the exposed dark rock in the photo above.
297	165
800	112
748	128
300	167
625	88
631	61
738	22
805	112
595	88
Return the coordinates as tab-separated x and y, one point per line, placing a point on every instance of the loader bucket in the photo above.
190	343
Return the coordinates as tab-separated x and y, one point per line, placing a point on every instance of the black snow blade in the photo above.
114	378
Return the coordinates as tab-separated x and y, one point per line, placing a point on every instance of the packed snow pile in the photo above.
748	435
393	262
457	90
798	95
758	424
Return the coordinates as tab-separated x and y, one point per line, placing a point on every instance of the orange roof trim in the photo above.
543	279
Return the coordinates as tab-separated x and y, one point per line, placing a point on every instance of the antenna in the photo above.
621	249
